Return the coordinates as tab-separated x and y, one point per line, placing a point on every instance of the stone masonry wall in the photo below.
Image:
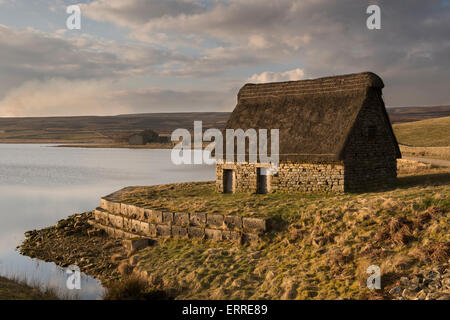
370	162
307	177
127	221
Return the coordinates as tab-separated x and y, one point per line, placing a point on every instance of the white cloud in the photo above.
291	75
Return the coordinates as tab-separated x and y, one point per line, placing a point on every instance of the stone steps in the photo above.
128	221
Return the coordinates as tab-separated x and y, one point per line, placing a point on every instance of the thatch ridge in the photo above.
356	81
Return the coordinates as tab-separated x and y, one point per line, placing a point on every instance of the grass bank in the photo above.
13	290
322	247
426	133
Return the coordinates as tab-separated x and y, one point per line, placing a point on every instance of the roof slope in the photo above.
315	117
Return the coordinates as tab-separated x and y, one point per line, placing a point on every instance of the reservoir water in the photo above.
41	184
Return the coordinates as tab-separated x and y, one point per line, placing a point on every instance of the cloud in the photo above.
30	53
207	44
137	12
64	97
60	97
291	75
324	37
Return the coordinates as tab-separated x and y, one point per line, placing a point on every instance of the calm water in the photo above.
40	184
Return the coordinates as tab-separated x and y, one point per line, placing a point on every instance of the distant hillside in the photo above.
104	129
408	114
426	133
101	129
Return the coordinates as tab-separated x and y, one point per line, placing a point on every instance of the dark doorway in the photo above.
228	181
262	181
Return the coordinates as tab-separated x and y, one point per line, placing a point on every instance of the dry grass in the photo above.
321	248
18	290
133	288
442	153
426	133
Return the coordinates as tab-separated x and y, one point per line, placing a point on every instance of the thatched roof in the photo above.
315	117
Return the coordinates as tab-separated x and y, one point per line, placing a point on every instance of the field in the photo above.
427	138
104	129
426	133
101	129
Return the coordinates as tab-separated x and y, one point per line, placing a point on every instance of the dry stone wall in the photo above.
291	176
128	221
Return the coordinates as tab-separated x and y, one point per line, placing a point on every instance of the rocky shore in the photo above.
433	284
74	241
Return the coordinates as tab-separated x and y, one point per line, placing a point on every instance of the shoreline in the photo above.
95	254
62	144
117	146
15	290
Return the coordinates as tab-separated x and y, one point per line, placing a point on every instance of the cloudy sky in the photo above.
193	55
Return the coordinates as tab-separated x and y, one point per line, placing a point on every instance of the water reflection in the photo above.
40	185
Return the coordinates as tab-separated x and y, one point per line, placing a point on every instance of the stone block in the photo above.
233	222
152	230
101	217
198	219
155	216
135	226
167	217
254	225
179	232
115	207
196	232
116	221
213	234
127	225
163	230
140	213
145	228
134	212
181	218
214	220
232	236
104	204
124	210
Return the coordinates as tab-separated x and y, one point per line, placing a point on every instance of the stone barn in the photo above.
334	136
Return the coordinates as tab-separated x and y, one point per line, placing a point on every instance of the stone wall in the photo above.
370	161
127	221
307	177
